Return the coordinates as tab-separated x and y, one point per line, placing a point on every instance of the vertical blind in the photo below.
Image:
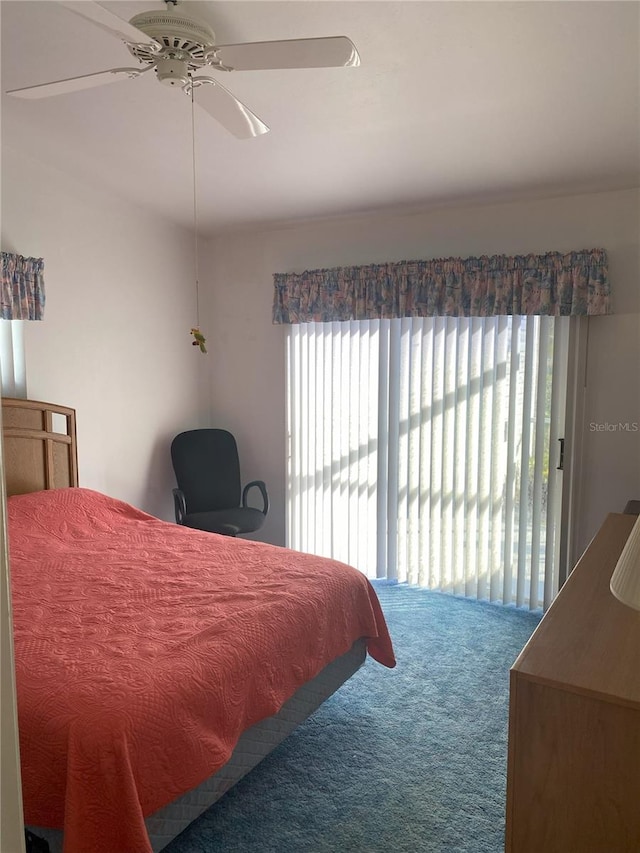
13	370
425	450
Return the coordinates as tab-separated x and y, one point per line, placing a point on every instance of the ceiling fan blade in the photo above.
106	20
75	84
332	52
225	108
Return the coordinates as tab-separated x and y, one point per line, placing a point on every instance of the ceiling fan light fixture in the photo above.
173	72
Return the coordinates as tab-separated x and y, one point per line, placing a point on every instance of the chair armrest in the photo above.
180	503
259	484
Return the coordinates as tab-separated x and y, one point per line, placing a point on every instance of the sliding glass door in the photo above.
428	450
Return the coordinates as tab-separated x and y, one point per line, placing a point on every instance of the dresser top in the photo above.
588	641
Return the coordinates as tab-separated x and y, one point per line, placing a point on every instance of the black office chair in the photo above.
209	495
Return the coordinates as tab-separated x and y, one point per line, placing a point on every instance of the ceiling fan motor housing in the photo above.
180	37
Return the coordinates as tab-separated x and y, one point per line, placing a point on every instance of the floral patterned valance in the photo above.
22	295
552	284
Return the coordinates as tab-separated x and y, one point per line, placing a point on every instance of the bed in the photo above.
155	664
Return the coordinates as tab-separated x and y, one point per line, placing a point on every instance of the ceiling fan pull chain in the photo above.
198	337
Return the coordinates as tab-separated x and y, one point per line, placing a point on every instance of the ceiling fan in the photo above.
178	46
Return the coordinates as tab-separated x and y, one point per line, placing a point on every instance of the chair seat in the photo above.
229	522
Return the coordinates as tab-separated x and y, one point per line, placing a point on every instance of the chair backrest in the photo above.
207	469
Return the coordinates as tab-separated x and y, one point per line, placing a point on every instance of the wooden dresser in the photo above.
573	779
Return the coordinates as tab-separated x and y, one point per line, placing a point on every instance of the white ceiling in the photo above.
453	101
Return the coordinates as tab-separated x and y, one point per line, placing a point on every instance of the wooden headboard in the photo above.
39	446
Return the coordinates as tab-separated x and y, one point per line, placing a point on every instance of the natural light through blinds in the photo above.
12	359
425	450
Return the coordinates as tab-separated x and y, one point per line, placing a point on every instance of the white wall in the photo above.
115	342
248	352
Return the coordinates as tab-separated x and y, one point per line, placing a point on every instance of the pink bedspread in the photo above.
144	650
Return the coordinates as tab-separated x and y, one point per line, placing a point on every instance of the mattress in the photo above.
256	743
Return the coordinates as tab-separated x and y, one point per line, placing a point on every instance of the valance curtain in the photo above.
22	295
552	284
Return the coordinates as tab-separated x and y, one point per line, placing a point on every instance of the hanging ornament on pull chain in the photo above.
198	338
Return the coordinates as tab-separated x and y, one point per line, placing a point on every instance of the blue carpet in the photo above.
410	760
